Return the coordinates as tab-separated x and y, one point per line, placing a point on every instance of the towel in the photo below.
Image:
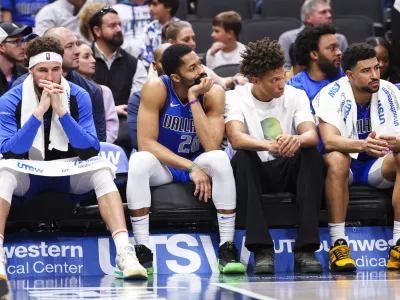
335	104
58	137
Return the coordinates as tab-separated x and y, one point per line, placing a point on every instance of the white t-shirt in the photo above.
134	19
280	115
222	58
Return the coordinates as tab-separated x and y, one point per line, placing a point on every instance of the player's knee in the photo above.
338	165
397	159
103	182
220	162
9	184
140	163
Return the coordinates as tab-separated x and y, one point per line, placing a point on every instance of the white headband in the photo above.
45	57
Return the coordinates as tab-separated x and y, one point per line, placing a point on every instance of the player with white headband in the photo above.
48	140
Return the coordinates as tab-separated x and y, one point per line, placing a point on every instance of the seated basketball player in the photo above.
359	125
273	131
180	129
48	140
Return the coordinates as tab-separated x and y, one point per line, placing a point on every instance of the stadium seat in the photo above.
281	8
208	9
372	9
202	30
354	28
227	70
270	27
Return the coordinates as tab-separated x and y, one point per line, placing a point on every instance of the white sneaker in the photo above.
3	261
127	265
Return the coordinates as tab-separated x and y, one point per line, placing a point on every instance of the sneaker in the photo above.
145	257
306	262
339	258
127	265
264	261
3	262
394	257
228	260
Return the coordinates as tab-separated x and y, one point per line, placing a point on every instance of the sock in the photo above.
396	232
336	231
140	228
226	223
1	240
120	237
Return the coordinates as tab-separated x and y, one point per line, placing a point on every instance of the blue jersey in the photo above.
24	11
176	125
364	127
303	82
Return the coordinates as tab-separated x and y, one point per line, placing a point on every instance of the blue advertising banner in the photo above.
49	255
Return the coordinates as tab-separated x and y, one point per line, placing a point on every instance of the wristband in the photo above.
191	167
194	101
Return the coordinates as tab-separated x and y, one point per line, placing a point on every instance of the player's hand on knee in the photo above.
391	140
375	146
288	144
202	182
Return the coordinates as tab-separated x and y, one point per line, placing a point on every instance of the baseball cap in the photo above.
9	29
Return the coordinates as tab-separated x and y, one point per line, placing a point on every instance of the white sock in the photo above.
336	231
396	232
226	223
121	238
140	228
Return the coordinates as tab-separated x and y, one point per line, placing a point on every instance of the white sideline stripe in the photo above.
318	281
106	288
243	291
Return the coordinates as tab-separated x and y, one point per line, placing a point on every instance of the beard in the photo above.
117	40
328	67
369	89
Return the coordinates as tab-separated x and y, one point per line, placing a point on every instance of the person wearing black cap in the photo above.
12	51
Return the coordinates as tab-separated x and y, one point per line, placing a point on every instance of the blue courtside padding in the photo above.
115	155
49	255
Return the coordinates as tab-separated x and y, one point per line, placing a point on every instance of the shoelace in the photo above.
127	251
342	252
397	248
231	253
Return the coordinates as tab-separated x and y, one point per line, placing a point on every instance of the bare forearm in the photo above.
342	144
165	156
243	141
308	139
210	137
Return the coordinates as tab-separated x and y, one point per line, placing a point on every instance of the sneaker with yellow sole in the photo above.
394	257
339	258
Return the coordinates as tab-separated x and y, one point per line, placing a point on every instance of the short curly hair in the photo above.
261	56
308	39
87	11
171	59
356	52
43	44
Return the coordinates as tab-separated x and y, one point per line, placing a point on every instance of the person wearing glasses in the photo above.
12	52
115	68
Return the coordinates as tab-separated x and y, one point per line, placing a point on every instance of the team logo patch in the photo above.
47	56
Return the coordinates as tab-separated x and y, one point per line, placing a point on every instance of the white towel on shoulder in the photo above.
58	137
335	104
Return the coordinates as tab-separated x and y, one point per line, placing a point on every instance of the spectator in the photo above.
134	100
317	48
361	139
226	48
313	12
274	132
12	53
87	11
296	68
46	119
87	67
163	11
70	63
135	16
182	33
115	68
384	55
22	11
61	13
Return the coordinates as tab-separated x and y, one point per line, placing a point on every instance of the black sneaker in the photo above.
145	257
228	260
306	262
264	261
